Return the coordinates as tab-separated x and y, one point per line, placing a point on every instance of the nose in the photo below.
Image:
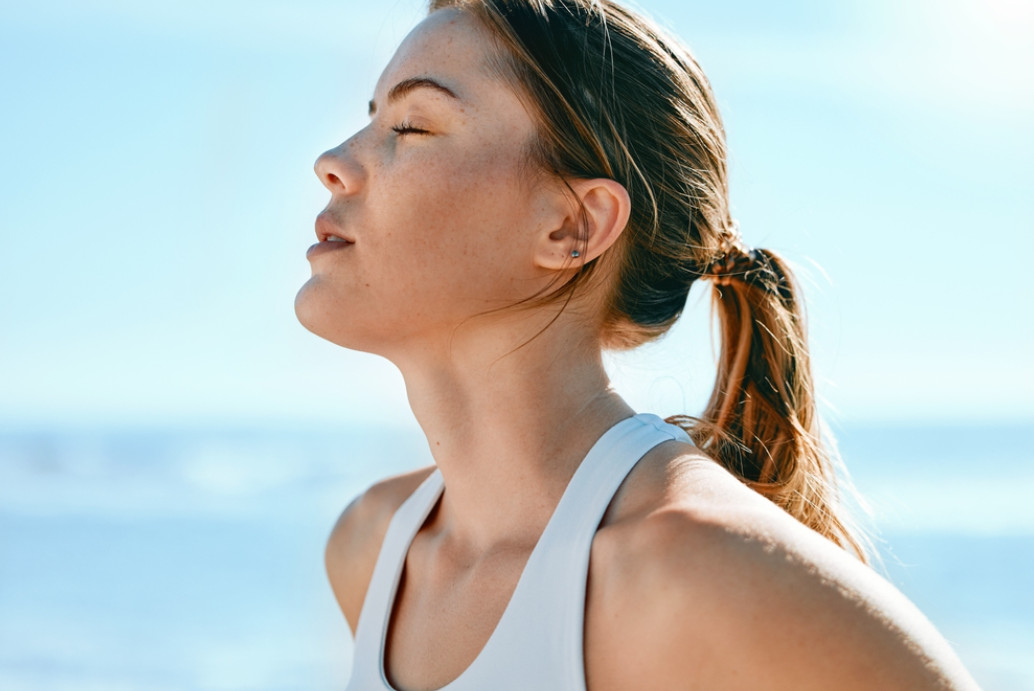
338	171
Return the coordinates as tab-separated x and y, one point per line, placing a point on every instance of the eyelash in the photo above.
405	128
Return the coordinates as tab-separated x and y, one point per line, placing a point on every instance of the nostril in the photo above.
329	179
323	169
337	172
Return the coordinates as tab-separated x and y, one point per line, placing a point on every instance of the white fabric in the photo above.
537	644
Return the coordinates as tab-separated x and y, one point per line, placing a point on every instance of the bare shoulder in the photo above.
356	539
710	585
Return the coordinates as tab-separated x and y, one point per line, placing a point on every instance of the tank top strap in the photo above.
538	643
377	606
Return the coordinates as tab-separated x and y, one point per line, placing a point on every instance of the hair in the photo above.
614	96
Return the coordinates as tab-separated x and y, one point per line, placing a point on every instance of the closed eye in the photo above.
406	128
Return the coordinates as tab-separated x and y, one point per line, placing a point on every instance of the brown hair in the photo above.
616	97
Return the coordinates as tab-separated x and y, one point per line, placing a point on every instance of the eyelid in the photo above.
405	127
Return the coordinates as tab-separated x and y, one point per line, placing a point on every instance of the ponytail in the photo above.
614	96
761	422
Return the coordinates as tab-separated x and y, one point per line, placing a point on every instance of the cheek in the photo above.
457	216
440	239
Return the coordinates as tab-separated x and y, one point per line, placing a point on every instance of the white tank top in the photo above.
537	644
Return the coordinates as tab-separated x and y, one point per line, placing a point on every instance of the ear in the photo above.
592	220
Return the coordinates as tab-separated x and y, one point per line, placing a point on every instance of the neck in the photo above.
508	424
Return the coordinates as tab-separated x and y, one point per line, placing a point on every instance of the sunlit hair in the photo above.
616	97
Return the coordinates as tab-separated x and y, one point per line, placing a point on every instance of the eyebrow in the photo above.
412	84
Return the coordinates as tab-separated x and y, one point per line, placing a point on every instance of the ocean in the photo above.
185	559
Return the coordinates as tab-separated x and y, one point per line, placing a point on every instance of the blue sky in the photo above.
156	201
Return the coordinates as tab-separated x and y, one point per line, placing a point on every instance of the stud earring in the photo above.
575	253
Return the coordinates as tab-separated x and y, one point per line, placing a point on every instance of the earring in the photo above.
575	253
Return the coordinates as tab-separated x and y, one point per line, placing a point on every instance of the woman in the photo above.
541	180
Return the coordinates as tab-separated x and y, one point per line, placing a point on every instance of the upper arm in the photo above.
355	541
723	603
817	618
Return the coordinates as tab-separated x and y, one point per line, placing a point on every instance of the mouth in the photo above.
332	245
326	231
330	238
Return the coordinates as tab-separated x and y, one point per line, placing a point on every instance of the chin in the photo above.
312	310
304	307
328	318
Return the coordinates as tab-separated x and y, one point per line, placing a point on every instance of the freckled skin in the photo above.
442	222
695	581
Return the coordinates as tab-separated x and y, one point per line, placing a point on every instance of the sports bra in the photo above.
537	643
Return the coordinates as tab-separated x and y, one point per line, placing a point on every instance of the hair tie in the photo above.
737	263
734	259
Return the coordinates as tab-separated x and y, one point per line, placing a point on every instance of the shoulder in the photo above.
355	541
713	586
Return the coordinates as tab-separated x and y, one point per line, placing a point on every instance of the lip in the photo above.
325	229
327	246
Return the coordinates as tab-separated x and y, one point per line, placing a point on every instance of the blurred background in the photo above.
174	447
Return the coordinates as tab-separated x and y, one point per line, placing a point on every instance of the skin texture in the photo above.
452	195
695	581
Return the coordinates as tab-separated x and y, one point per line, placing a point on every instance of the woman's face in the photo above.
436	219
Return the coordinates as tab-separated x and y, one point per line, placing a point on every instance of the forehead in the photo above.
451	45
